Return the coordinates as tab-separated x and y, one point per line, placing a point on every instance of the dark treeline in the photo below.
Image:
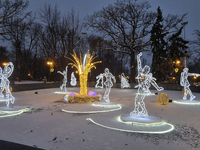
117	33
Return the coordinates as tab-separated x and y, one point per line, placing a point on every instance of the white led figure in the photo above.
145	80
99	79
5	83
64	73
73	79
108	83
124	82
184	82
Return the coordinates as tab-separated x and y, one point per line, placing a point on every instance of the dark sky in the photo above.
84	7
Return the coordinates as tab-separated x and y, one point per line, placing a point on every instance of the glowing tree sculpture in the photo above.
64	73
145	80
184	82
73	79
83	67
99	79
5	83
124	82
108	83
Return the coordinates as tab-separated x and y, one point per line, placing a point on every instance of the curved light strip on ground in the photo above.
12	113
87	112
104	105
62	92
186	103
141	124
124	130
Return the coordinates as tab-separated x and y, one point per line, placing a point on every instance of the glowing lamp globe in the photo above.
162	99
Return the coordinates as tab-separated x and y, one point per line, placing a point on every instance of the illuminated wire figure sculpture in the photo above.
108	83
99	79
124	82
5	83
73	79
184	82
64	73
145	80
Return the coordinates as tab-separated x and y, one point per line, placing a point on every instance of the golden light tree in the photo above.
83	66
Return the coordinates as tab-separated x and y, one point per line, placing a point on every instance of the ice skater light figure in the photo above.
64	73
185	83
124	82
145	80
5	83
73	79
99	79
108	83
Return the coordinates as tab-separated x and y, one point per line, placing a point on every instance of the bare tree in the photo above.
125	24
10	9
60	34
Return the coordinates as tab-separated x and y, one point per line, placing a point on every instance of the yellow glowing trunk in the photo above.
83	84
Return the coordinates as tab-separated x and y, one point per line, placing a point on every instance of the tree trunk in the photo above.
83	84
133	67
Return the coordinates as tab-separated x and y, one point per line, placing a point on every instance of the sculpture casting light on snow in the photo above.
83	67
145	80
64	73
73	79
5	83
124	82
184	82
108	83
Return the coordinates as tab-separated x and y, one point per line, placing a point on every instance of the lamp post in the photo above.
51	68
183	24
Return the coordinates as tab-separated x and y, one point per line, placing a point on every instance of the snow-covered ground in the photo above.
46	126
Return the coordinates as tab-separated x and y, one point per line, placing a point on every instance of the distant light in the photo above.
5	63
49	63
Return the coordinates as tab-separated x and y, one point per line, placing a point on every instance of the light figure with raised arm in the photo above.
64	73
145	80
5	83
108	83
124	82
185	83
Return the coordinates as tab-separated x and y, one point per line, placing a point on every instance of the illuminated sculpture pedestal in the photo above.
140	120
106	104
8	111
151	125
90	108
187	102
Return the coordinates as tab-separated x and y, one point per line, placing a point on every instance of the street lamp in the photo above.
183	24
5	63
50	63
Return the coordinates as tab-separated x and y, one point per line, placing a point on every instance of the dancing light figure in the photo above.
184	82
83	67
145	80
108	83
73	79
99	79
124	82
64	73
5	83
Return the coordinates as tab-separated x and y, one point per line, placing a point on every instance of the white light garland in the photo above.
5	83
145	80
185	83
124	82
73	79
64	73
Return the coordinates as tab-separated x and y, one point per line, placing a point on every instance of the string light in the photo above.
83	68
